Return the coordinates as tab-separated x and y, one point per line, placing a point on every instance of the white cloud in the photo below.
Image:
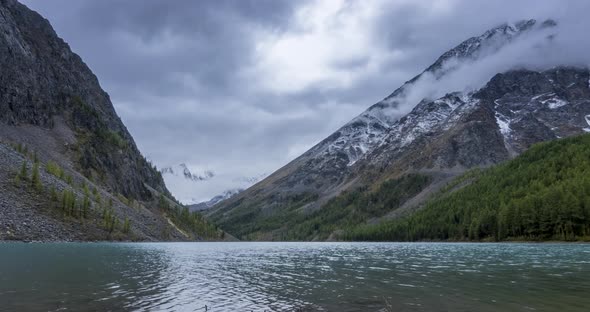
324	35
564	45
243	87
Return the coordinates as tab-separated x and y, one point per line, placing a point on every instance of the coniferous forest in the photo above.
544	194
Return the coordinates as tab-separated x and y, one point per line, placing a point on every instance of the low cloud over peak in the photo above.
243	87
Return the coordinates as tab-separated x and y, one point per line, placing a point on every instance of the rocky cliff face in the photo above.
54	113
510	113
441	137
365	132
43	83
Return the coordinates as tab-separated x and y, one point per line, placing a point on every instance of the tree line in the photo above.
544	194
67	201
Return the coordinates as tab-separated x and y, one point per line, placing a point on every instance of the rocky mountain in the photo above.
46	85
243	182
249	181
440	137
366	131
215	200
59	129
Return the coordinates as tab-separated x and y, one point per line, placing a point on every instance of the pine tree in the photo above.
23	171
73	204
35	179
68	202
63	201
85	206
53	194
98	200
105	217
126	226
85	188
115	224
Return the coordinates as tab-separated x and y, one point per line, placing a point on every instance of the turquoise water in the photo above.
291	276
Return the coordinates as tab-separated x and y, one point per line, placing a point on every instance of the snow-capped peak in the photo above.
187	173
215	200
368	130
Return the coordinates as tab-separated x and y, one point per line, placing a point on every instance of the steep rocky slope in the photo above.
510	113
43	83
439	138
53	112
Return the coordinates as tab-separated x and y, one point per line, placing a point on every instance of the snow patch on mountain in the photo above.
428	117
215	200
504	125
187	173
358	137
370	129
503	122
554	103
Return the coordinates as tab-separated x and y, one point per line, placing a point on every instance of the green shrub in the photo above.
54	169
114	138
86	110
123	199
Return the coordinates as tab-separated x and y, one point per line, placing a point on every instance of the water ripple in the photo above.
291	276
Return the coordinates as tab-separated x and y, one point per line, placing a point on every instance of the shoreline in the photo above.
290	242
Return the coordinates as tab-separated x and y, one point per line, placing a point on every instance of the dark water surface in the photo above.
287	276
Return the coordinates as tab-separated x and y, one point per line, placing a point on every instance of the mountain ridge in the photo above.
449	134
206	205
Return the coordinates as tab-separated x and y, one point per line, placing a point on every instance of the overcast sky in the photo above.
242	87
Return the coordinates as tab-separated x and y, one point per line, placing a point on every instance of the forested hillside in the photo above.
345	211
544	194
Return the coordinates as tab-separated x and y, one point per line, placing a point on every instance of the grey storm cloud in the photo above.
242	87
